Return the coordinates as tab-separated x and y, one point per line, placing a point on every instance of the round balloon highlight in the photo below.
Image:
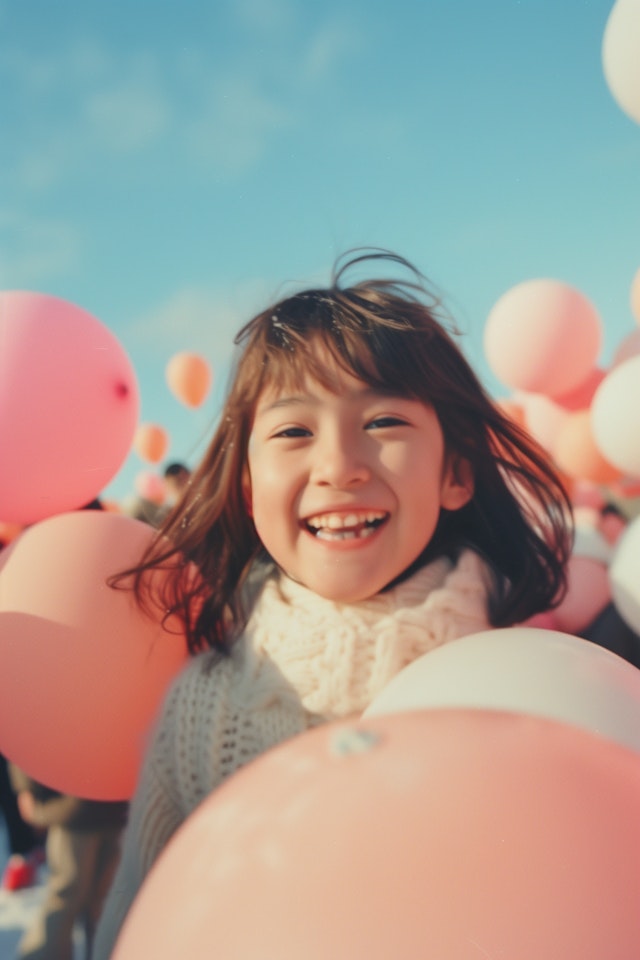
542	336
82	669
69	406
440	834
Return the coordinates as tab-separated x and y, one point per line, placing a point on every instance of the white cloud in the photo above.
127	117
235	125
199	319
265	15
33	250
330	45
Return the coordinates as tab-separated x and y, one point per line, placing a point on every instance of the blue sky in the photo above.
171	167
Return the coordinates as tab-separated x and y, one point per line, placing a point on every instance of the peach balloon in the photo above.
620	61
69	406
189	378
151	442
82	670
543	417
434	834
542	336
575	451
615	417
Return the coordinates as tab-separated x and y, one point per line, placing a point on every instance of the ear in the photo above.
457	485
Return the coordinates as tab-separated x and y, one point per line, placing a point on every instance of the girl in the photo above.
362	501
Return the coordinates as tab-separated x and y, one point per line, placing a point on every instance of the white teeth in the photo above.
342	521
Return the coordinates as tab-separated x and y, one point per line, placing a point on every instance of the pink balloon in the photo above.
82	670
542	336
68	406
588	593
581	396
438	833
150	486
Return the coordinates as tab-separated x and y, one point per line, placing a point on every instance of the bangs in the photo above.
317	333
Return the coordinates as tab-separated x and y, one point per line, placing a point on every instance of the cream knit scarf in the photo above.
334	658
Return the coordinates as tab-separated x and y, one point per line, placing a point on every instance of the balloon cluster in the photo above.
542	339
82	670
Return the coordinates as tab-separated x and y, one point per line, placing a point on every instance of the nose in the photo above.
340	461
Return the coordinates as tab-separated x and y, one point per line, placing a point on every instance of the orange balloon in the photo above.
575	452
189	378
150	442
82	669
439	833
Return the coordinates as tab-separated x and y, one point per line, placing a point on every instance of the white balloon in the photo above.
615	416
621	56
624	573
524	670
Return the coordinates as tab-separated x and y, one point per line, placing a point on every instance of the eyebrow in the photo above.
368	393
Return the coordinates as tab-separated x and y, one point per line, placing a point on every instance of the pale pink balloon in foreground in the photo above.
69	406
440	834
542	336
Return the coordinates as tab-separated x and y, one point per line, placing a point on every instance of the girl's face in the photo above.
345	487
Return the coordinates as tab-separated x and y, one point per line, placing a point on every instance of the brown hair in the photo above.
389	334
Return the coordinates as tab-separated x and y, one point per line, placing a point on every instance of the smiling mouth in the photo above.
345	526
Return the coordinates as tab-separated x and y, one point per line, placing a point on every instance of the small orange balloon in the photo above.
150	442
189	378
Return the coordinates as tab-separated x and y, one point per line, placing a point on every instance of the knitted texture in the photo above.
302	660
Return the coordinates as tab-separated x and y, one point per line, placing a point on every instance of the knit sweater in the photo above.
301	660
